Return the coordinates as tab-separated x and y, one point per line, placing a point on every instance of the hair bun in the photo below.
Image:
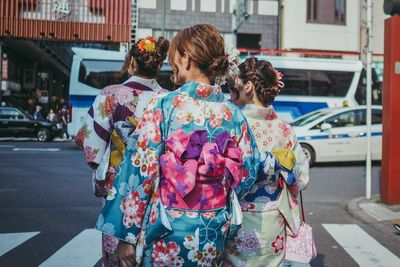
162	46
219	66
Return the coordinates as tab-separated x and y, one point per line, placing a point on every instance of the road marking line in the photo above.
378	212
364	249
12	240
37	149
6	146
10	189
83	250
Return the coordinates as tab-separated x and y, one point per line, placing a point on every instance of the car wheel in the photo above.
309	152
43	135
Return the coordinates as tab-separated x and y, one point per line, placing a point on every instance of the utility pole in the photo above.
369	100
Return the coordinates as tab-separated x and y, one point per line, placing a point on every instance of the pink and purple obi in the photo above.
197	174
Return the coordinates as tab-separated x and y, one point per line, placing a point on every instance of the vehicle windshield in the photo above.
101	73
26	113
310	117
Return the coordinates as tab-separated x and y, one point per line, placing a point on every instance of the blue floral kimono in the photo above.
190	159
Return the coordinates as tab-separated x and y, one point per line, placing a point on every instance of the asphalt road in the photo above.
45	188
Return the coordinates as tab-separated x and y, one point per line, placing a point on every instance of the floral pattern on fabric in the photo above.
132	207
278	244
262	236
166	255
248	242
195	150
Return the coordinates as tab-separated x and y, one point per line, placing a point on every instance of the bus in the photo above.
91	71
315	83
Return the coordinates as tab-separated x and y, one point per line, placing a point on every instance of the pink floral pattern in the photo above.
286	129
166	255
90	153
132	207
194	110
204	90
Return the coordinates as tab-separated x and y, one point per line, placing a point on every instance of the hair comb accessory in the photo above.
279	77
147	44
233	58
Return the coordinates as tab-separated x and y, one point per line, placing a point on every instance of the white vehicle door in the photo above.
376	145
345	140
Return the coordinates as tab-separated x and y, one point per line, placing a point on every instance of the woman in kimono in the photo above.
113	117
268	207
190	157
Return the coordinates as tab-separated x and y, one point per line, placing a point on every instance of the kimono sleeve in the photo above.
251	157
126	207
300	168
94	135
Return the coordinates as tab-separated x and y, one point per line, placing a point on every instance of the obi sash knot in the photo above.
198	174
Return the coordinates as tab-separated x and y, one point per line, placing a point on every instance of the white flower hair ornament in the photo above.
233	58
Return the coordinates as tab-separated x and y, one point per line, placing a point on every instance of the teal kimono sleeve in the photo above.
250	160
135	188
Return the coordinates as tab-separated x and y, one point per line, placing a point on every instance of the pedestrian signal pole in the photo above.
369	100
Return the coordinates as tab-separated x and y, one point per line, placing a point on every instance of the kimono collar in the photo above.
211	93
260	113
143	84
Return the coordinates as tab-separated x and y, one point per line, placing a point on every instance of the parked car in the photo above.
339	134
15	122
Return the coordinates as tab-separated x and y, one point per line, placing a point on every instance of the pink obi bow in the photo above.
197	174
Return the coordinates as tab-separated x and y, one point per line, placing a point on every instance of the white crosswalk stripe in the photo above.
364	249
10	241
83	250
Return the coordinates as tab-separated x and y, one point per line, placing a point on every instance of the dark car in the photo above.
17	123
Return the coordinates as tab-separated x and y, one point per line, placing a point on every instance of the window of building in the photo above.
326	11
147	3
208	6
249	41
270	8
178	5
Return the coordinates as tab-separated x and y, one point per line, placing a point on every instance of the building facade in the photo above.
36	37
260	30
325	25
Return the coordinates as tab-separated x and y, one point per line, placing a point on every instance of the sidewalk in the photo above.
373	211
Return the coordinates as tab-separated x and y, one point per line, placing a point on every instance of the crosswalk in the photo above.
84	249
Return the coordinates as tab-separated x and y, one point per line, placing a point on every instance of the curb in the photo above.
354	209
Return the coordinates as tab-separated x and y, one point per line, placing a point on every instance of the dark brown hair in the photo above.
205	47
263	76
148	63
